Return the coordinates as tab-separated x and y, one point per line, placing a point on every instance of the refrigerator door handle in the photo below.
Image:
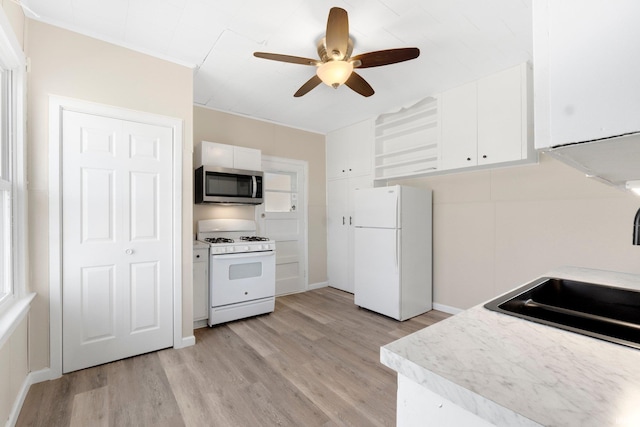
397	250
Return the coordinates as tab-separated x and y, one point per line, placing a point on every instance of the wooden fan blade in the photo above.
337	37
285	58
310	84
360	85
385	57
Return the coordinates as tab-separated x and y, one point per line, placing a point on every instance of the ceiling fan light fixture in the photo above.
334	73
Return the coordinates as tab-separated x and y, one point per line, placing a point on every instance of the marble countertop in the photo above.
513	372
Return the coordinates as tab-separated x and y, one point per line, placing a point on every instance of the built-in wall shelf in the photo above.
406	141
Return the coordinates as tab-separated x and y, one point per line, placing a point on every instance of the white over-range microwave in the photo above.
227	186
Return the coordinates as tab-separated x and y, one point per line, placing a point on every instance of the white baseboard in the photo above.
42	375
313	286
446	308
186	342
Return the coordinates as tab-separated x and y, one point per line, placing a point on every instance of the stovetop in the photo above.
232	236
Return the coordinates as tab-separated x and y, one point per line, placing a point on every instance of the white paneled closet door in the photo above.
117	289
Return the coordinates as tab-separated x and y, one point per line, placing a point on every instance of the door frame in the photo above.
304	165
57	105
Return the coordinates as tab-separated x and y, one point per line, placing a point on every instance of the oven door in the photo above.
242	277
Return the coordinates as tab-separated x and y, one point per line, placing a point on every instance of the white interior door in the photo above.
282	217
117	239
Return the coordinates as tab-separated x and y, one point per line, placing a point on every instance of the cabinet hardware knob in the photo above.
197	256
129	251
468	159
484	156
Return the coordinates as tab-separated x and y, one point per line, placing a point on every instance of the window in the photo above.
12	194
280	192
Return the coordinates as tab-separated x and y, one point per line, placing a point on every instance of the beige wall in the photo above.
273	140
13	369
495	230
68	64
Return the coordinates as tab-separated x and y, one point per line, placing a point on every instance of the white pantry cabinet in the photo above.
349	150
200	284
586	70
349	166
487	122
340	220
227	156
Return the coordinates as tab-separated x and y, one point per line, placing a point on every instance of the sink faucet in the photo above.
636	229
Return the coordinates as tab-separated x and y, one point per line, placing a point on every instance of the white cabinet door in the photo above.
200	284
349	150
338	234
340	226
213	154
337	154
500	121
586	75
417	404
117	246
459	127
360	148
247	158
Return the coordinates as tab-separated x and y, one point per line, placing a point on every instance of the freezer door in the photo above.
377	207
377	274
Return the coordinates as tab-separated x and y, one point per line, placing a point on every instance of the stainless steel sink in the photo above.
599	311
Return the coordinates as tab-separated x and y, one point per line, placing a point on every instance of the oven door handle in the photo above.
261	254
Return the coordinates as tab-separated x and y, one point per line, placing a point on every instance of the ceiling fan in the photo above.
336	64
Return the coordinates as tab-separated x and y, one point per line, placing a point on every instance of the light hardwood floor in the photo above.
314	361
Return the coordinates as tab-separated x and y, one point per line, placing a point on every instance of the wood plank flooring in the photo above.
314	361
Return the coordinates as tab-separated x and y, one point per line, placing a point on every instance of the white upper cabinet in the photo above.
586	70
502	116
459	122
227	156
488	121
349	150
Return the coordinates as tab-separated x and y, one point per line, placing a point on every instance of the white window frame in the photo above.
12	60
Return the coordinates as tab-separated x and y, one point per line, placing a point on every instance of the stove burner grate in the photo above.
254	238
218	240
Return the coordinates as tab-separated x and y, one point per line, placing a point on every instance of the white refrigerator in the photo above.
393	250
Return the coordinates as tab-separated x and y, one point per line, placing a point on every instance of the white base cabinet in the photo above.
200	284
418	407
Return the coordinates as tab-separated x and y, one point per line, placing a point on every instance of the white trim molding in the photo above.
57	105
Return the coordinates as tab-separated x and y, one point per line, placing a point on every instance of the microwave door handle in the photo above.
254	186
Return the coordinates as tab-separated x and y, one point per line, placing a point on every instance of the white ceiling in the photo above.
459	41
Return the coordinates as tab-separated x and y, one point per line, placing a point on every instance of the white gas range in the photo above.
241	269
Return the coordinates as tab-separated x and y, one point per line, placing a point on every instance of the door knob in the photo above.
129	251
